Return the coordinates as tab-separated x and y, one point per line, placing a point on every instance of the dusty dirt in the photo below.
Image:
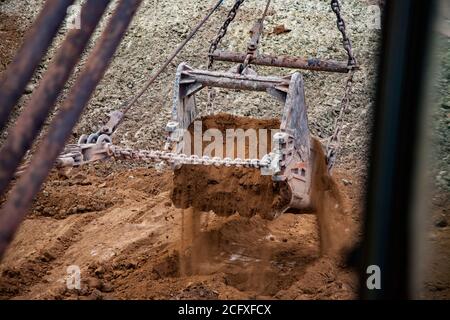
226	191
117	222
138	245
119	226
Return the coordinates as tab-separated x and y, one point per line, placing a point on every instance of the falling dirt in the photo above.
227	191
332	221
119	226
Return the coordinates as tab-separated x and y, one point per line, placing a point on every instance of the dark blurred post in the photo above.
388	237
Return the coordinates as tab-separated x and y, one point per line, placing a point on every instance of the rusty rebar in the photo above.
31	120
283	61
35	44
22	194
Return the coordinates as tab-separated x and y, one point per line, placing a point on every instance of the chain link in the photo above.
334	141
174	158
336	7
213	47
73	156
222	32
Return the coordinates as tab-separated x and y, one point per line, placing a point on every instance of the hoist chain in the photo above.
215	43
175	158
334	141
336	7
81	154
223	31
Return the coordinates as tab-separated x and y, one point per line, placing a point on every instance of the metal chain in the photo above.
334	141
252	46
213	47
174	158
81	154
73	156
222	32
336	7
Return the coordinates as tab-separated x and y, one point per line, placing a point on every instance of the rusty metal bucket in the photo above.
290	161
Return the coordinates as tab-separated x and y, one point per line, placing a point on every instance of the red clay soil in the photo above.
119	226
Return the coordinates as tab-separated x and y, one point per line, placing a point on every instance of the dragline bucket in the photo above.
291	160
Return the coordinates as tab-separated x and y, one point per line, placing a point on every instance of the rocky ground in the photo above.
437	276
117	222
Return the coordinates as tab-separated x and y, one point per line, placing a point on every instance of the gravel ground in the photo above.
161	24
440	123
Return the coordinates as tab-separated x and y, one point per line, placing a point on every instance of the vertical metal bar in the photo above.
388	233
19	201
33	117
31	120
35	44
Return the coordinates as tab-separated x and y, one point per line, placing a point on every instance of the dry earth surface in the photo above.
117	222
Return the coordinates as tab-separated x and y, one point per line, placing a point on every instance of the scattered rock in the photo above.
280	29
346	182
107	287
96	295
47	256
99	271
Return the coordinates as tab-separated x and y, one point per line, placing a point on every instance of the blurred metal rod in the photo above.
389	237
31	120
19	201
36	41
283	61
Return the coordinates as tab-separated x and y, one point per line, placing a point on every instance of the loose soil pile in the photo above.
119	226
